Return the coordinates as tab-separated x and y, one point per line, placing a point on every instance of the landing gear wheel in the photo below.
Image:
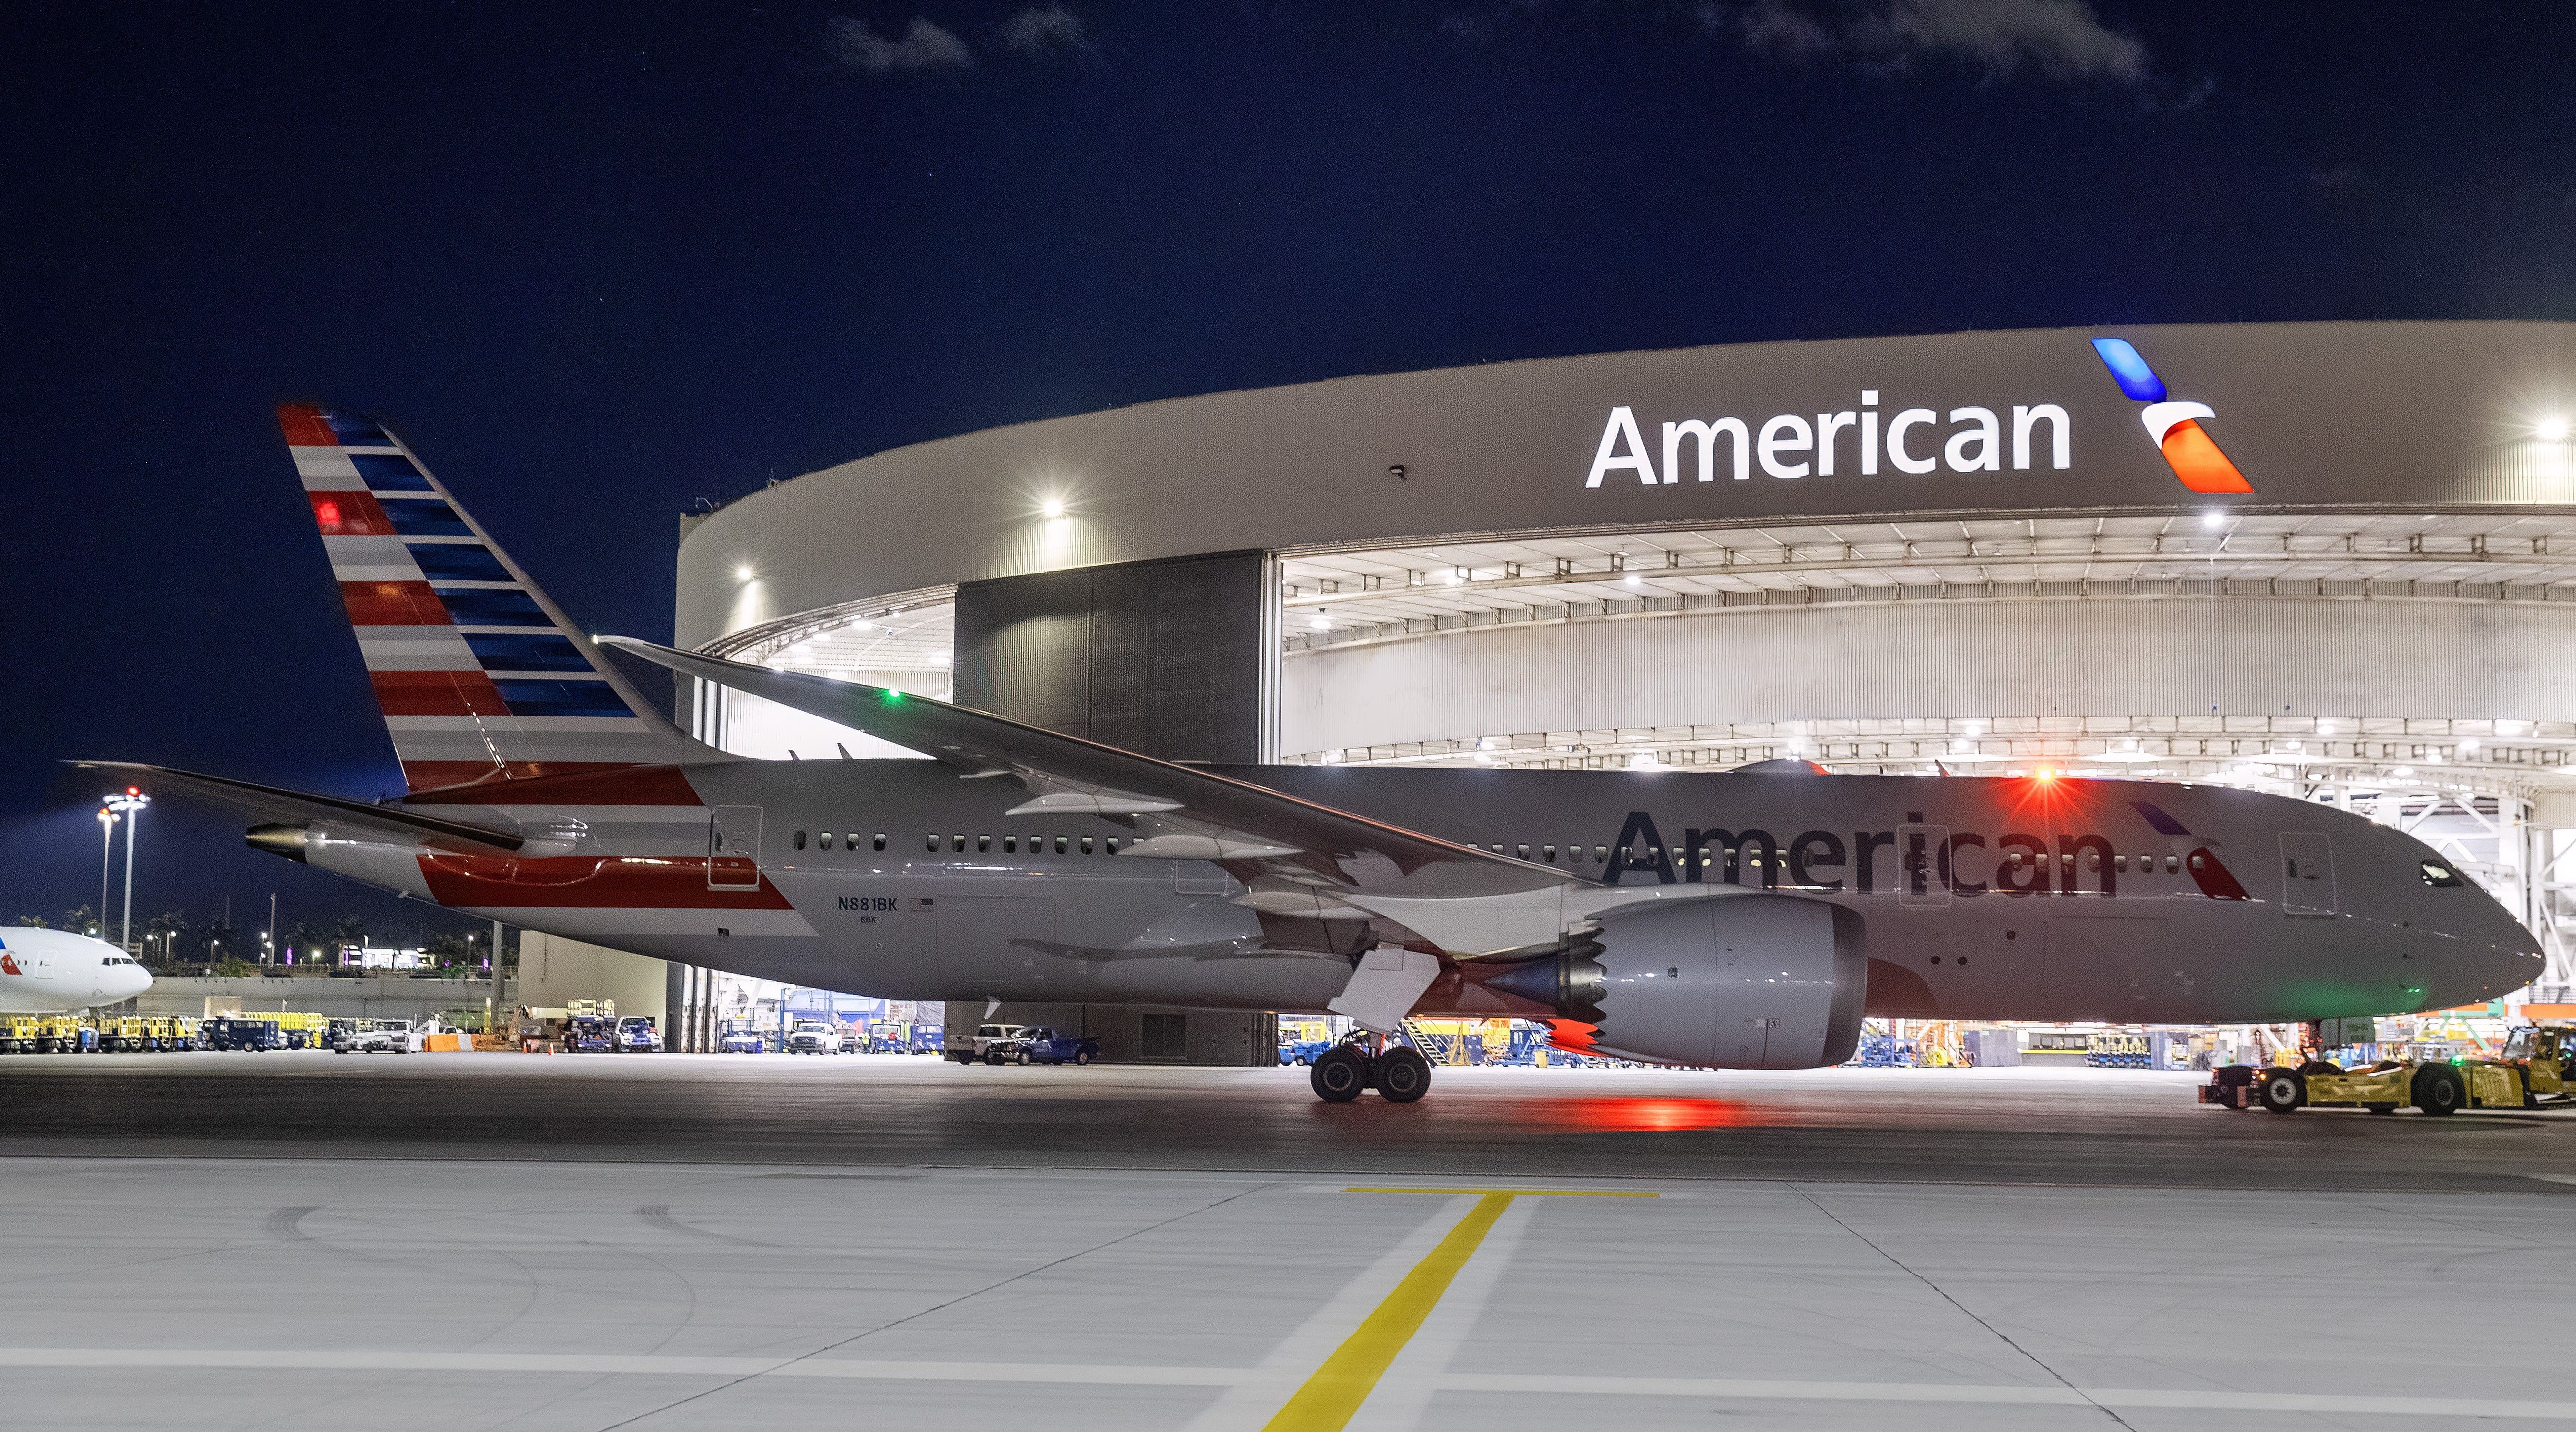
1339	1075
2439	1089
1403	1075
2281	1091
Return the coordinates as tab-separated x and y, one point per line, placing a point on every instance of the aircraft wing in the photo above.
345	817
1297	858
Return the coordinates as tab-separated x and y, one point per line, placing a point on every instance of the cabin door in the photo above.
733	848
2307	873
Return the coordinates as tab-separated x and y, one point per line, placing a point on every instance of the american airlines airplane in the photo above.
1739	920
59	972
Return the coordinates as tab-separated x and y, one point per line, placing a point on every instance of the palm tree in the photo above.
79	920
167	927
353	931
33	922
311	943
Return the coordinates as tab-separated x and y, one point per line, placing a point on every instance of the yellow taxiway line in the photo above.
1328	1399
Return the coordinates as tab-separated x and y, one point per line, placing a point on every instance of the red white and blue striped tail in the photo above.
480	677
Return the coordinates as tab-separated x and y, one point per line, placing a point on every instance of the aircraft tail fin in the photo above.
480	676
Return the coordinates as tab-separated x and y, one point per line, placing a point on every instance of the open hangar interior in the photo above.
1953	554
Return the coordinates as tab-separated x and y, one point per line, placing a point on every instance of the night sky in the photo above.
598	263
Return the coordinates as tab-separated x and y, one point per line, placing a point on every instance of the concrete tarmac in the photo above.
2109	1128
308	1240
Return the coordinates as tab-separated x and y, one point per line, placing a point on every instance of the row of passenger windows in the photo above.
1573	854
984	844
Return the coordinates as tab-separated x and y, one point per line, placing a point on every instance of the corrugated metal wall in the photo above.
2177	656
1162	658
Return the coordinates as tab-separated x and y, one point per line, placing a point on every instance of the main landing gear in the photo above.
1398	1072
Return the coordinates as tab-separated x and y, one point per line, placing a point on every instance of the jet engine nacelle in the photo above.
1736	982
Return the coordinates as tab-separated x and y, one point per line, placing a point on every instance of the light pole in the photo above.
107	819
130	805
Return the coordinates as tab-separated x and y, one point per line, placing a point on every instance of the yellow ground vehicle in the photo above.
18	1033
2547	1058
64	1034
2537	1069
122	1034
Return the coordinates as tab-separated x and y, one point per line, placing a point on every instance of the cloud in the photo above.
1041	28
924	46
1484	23
2060	39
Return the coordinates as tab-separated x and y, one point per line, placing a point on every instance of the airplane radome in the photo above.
1739	920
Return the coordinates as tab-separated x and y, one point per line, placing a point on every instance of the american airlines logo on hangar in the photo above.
1914	441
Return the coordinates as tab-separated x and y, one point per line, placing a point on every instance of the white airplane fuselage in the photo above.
59	972
1980	898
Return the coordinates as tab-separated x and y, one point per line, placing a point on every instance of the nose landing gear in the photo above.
1398	1072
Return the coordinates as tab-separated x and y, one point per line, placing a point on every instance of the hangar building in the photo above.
2336	560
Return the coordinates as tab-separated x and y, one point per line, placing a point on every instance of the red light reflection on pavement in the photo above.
1646	1116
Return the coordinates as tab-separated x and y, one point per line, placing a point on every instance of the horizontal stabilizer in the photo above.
348	817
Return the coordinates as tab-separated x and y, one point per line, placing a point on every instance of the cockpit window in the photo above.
2439	875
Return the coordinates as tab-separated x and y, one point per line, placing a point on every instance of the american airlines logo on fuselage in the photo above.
1921	859
1914	441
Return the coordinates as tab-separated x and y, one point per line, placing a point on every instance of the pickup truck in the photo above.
812	1036
1040	1044
992	1044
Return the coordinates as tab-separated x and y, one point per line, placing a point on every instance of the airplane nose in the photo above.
2526	955
2512	956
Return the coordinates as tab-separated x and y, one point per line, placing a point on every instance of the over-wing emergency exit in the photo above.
1739	920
